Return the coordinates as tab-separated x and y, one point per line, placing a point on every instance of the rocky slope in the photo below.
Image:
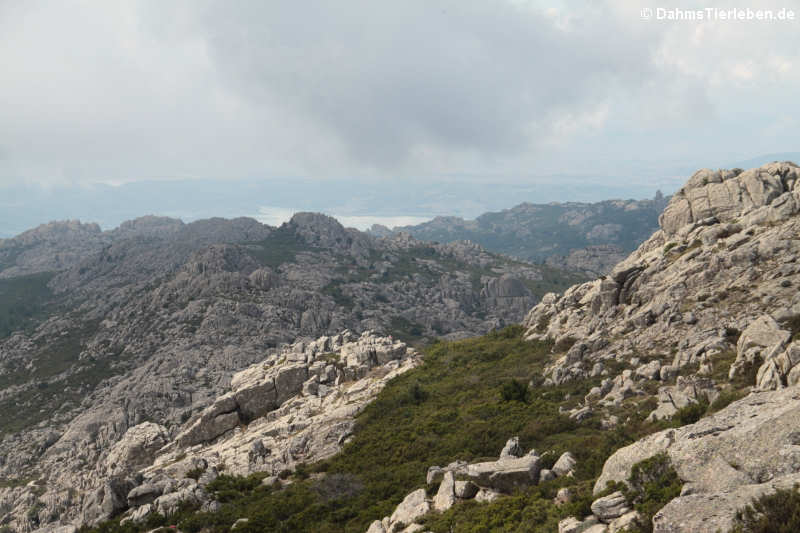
698	325
296	406
710	298
691	341
590	238
149	322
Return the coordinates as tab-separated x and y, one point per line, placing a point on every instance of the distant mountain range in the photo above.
589	237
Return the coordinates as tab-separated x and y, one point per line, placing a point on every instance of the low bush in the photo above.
651	485
778	512
692	412
514	390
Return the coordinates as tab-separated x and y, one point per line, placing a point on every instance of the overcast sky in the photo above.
493	91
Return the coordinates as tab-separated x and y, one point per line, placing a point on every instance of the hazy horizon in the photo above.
110	111
274	203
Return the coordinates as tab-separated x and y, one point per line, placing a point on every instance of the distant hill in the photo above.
590	237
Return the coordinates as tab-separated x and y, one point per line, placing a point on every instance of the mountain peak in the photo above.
729	194
324	231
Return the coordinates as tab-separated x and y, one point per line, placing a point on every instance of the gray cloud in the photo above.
393	82
104	91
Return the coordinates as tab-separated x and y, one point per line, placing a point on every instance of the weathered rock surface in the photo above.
748	448
413	507
506	474
592	261
589	525
303	428
446	495
725	255
686	391
710	297
611	507
564	464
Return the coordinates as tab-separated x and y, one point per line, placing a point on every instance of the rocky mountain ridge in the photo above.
156	317
586	237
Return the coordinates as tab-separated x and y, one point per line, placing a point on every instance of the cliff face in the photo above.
710	298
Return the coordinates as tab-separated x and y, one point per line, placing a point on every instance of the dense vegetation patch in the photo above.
281	246
452	407
22	300
54	378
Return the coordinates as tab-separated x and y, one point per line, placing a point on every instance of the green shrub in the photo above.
195	473
514	391
651	485
772	513
726	396
692	412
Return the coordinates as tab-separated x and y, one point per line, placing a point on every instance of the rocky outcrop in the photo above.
749	448
313	369
686	391
611	507
505	474
726	195
687	289
294	424
483	482
136	449
49	247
